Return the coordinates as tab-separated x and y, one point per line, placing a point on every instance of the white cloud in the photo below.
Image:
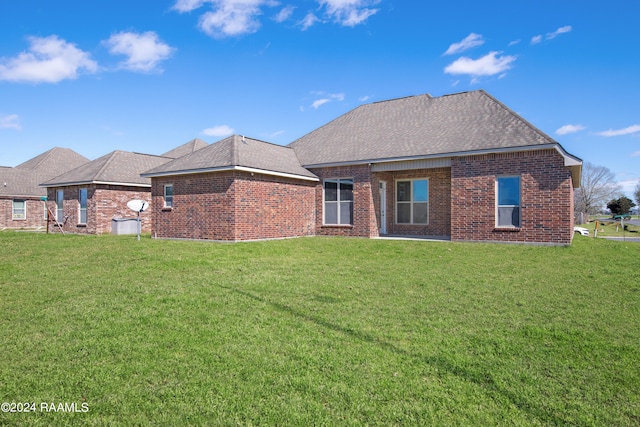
49	60
471	41
188	5
537	39
231	19
620	132
326	98
561	30
228	18
567	129
219	131
144	51
317	103
488	65
635	154
349	12
309	20
284	14
12	121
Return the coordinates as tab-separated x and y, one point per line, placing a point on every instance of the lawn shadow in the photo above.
482	379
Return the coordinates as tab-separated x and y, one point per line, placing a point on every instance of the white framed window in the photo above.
412	201
168	196
82	199
19	209
60	205
338	201
508	192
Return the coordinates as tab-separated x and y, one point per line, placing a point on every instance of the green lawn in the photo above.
319	331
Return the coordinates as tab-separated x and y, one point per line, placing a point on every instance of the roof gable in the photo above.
236	152
418	126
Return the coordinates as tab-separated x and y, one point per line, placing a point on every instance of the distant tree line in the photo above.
599	188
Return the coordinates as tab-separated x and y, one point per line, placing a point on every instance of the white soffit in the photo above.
444	162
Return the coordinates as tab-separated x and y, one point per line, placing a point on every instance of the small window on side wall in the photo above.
168	196
19	209
82	199
508	198
60	206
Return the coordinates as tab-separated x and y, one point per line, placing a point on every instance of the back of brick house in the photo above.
462	167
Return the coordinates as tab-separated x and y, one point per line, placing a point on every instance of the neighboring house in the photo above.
236	189
86	199
462	167
186	148
21	198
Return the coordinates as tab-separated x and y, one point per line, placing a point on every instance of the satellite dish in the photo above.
137	205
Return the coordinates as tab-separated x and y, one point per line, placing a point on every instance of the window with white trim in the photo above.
412	201
60	205
19	209
338	201
82	199
168	196
508	201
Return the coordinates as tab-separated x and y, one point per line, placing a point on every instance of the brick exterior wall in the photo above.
34	213
546	197
366	202
232	206
104	203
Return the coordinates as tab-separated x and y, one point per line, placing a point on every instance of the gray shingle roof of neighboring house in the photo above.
186	148
420	126
24	179
237	153
53	162
19	183
117	168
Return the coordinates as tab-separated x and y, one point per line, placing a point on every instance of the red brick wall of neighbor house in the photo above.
365	219
546	197
232	206
202	207
34	214
104	203
439	202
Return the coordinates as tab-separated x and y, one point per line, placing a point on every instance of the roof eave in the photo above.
69	184
570	160
229	168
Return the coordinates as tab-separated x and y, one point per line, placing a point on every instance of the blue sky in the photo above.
148	76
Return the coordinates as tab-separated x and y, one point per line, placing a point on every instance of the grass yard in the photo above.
318	331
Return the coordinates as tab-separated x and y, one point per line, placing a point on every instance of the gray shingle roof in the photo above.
418	126
186	148
117	167
53	162
24	179
20	183
236	151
